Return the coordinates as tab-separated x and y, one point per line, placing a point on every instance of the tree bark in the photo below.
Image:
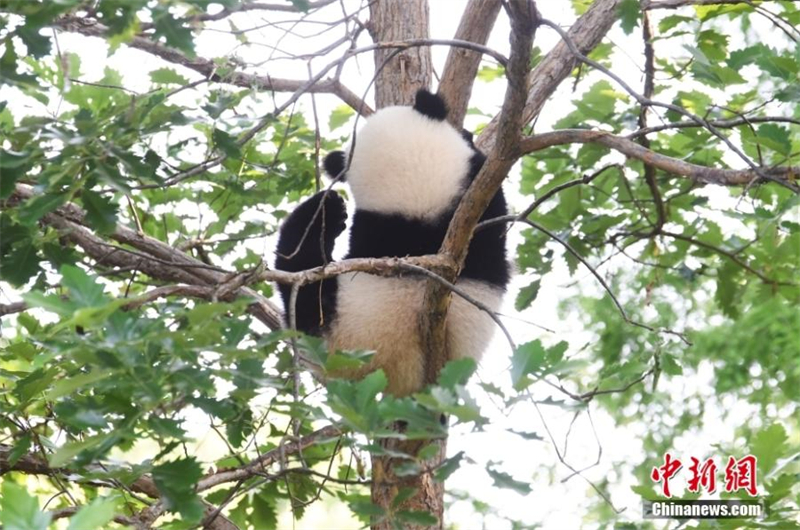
398	76
462	65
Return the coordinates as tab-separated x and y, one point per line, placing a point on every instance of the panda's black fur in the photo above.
409	169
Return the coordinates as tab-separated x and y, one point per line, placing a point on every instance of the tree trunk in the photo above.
429	496
398	77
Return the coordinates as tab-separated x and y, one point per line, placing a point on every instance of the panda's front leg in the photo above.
306	240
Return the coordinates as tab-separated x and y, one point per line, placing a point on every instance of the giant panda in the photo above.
408	169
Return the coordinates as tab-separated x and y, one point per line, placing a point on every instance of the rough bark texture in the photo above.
400	74
499	161
462	65
399	77
386	484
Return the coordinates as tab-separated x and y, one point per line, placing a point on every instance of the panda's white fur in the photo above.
381	314
407	171
428	161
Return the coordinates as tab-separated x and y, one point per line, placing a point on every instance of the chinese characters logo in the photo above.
739	474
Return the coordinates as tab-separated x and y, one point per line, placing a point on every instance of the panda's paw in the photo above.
335	212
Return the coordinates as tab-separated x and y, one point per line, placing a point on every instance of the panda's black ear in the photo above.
430	105
469	137
334	165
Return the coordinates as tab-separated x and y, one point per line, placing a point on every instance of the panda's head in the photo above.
408	161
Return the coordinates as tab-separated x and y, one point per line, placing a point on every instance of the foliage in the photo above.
141	403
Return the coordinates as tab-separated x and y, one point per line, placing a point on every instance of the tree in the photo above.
133	223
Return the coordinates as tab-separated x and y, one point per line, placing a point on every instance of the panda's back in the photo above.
381	314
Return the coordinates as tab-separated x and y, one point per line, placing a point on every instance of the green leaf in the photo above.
528	435
416	517
768	445
785	68
301	5
19	510
775	137
629	14
38	45
669	22
504	480
368	388
176	482
527	295
528	359
580	6
728	289
101	212
84	289
167	76
741	58
21	264
96	514
404	494
33	209
488	74
70	384
20	448
670	365
8	65
366	508
226	143
448	467
718	76
53	303
339	116
12	159
34	383
175	32
457	372
265	514
70	450
339	362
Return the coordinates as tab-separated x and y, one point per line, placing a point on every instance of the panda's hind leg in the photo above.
306	241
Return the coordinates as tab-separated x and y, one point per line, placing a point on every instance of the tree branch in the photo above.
674	4
210	70
586	33
719	124
35	464
644	101
524	20
706	175
259	464
603	283
14	307
462	65
730	255
247	6
157	259
586	179
644	141
69	511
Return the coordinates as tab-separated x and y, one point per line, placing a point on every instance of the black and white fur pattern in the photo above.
408	171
